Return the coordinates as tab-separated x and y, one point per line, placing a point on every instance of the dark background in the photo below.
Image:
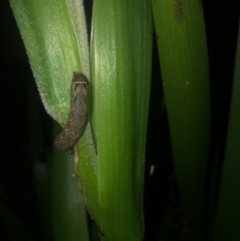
17	188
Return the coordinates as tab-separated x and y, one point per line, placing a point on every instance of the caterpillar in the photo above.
77	116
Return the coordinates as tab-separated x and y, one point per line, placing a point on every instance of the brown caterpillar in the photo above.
77	117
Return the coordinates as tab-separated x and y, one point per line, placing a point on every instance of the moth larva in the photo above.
77	117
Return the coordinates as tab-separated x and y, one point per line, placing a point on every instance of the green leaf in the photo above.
228	210
68	213
120	71
184	67
54	35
